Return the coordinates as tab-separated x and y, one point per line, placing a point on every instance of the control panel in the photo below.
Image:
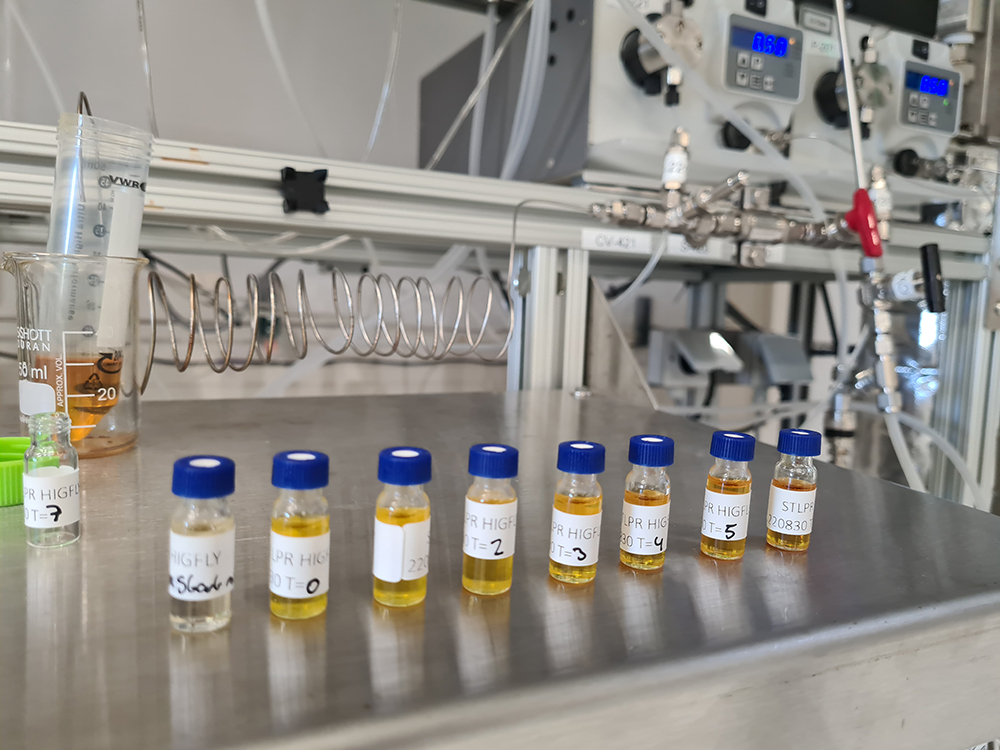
930	97
763	58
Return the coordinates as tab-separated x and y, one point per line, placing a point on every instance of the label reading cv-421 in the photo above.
202	567
300	565
575	539
726	517
791	511
489	529
644	528
51	497
402	553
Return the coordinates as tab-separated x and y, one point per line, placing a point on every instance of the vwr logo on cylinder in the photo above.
108	180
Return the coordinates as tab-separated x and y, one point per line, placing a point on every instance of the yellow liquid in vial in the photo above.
92	387
578	506
790	542
649	498
403	593
299	609
723	549
487	577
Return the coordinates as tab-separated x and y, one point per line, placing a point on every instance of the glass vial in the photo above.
793	491
576	513
202	544
646	510
51	482
726	514
300	535
490	520
401	553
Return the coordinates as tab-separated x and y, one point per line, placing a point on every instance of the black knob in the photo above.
733	138
650	83
930	259
673	97
907	163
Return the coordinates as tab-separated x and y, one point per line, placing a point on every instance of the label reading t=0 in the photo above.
300	565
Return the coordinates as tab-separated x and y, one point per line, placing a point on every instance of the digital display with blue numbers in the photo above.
926	84
765	44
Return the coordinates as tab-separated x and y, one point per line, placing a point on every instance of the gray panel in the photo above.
762	71
928	110
854	644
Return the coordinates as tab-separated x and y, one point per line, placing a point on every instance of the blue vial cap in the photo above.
651	450
300	470
804	443
493	461
404	466
581	457
204	477
733	446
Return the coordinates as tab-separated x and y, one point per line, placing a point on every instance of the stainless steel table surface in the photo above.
886	631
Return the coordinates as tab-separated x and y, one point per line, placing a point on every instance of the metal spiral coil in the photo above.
393	334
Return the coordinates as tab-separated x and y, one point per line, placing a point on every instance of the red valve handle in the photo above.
861	219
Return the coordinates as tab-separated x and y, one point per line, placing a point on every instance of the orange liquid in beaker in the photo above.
91	389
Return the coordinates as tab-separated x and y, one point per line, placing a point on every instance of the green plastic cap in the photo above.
12	450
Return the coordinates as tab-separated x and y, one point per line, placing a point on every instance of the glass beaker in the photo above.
77	345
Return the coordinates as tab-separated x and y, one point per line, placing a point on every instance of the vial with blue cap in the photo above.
202	544
576	513
726	514
401	555
300	535
646	510
793	491
490	520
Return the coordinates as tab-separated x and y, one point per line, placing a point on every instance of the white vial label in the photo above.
790	512
644	528
300	565
489	529
726	517
202	567
51	497
402	553
575	539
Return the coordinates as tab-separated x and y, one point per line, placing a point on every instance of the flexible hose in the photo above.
479	111
724	110
50	82
643	276
477	92
529	95
390	73
942	444
279	63
903	454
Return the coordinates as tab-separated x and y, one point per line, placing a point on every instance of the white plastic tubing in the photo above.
479	112
910	470
529	96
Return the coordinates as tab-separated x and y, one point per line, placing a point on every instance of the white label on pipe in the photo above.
617	241
679	247
726	517
675	167
575	539
300	565
790	511
402	553
51	497
489	529
202	566
644	528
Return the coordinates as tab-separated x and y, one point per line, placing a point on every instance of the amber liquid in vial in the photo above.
790	542
299	526
403	593
722	548
649	498
578	506
487	577
209	615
